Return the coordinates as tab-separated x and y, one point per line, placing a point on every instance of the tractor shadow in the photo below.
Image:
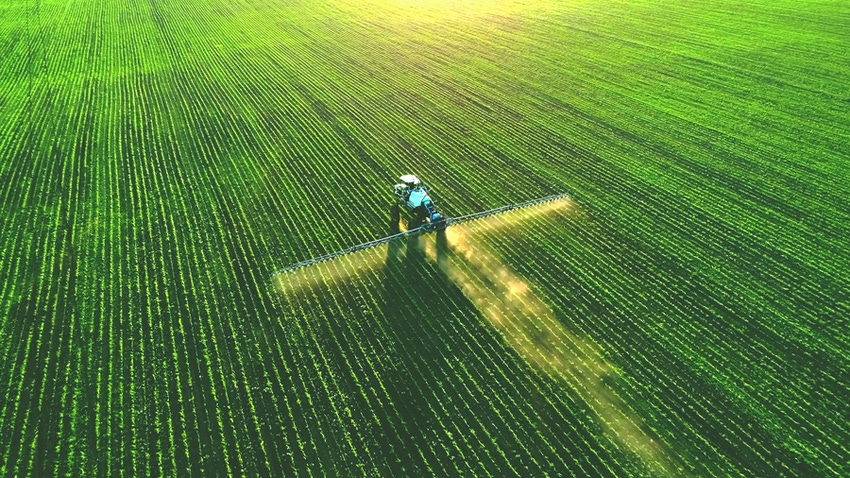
413	304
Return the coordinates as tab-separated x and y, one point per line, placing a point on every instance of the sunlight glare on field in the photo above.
439	11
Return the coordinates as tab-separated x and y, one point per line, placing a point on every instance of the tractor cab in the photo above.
409	183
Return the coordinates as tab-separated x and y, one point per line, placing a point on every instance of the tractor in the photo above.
413	196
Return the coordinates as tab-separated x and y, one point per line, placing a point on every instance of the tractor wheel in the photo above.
395	214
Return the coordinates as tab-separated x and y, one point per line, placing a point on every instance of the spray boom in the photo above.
423	229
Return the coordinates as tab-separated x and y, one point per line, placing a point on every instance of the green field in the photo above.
684	314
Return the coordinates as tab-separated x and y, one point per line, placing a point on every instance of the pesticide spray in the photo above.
508	304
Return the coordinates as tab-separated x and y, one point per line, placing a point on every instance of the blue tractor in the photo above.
412	195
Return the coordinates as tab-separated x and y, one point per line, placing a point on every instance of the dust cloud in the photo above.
530	327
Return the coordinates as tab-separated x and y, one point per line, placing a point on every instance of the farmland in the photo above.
684	313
